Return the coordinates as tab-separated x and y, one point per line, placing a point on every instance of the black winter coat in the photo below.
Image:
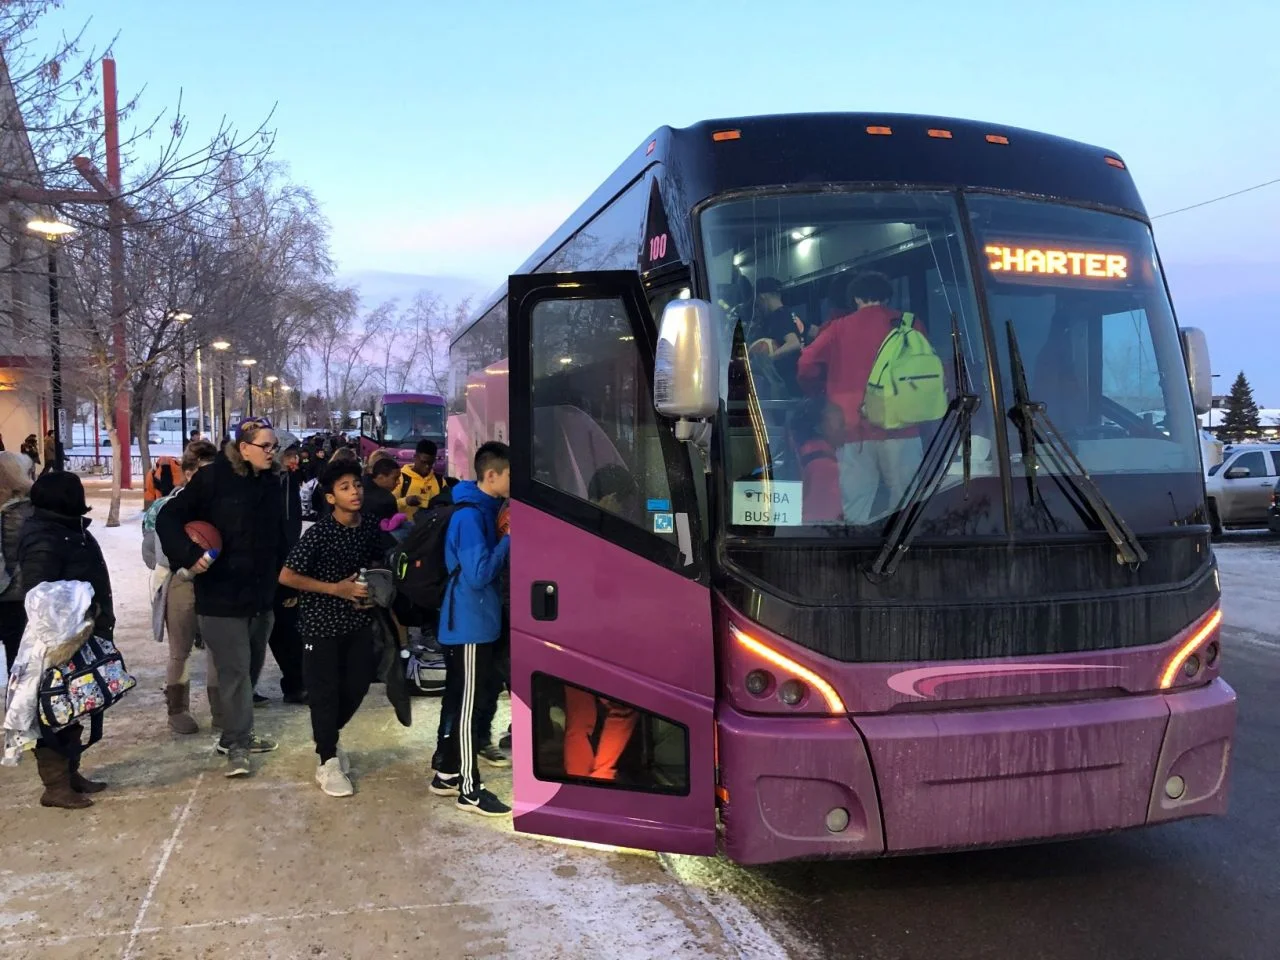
247	509
56	547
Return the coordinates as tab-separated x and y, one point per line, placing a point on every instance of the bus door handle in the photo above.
546	600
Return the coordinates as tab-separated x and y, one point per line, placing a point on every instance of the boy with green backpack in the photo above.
877	365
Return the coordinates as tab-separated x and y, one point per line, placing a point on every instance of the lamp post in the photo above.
275	407
222	346
52	230
182	318
1212	377
288	405
248	364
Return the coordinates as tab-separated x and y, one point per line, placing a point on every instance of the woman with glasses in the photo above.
239	494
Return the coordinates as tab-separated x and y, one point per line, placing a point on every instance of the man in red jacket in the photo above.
840	360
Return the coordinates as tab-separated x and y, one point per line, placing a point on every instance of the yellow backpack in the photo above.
907	385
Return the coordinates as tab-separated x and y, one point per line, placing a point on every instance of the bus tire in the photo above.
1215	521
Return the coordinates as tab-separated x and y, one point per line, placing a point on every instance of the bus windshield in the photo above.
404	424
810	285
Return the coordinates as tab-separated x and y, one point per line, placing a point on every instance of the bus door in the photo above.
613	678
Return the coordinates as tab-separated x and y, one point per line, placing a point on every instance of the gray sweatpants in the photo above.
236	644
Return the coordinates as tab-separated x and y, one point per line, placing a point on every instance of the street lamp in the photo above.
1212	377
248	363
182	318
275	407
222	346
52	230
288	405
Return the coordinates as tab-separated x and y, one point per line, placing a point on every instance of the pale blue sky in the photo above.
448	138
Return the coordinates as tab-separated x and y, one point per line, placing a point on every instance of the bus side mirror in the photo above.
686	372
1195	350
366	424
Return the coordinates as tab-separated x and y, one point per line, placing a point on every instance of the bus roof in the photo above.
428	398
818	149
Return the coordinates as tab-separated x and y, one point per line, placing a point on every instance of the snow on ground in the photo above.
1250	569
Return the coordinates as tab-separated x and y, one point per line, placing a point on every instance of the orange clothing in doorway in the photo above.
582	713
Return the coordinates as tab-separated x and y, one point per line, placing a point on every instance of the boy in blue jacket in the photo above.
471	619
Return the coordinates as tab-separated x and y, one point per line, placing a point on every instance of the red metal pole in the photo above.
115	230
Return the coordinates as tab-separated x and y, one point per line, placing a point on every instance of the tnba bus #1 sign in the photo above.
768	503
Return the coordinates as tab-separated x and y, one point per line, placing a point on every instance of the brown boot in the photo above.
82	784
215	708
178	696
55	774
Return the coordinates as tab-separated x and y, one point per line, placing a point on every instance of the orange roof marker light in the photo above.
998	138
1115	162
880	131
765	652
722	135
940	134
1192	644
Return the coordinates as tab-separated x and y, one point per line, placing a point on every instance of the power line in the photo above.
1225	196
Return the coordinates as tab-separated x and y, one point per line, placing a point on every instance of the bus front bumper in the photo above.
822	787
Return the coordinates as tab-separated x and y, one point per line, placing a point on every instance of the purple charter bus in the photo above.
748	616
401	420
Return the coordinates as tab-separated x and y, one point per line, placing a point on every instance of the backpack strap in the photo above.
405	484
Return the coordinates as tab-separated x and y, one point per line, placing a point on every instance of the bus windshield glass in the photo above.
810	288
858	385
1083	294
404	424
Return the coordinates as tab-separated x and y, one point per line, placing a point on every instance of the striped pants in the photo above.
469	668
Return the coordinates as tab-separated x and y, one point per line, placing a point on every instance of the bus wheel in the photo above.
1215	521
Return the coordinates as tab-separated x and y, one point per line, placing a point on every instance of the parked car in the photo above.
1241	487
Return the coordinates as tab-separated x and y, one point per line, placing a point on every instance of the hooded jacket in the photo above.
55	546
248	511
472	548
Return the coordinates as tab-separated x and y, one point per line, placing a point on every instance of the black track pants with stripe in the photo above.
470	666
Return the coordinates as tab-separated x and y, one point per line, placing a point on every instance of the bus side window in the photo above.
594	424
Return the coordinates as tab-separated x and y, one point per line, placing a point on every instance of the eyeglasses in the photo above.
265	447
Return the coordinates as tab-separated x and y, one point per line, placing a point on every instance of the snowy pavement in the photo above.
1250	570
176	861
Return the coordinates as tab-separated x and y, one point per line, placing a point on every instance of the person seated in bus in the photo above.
839	363
612	488
817	430
418	481
1055	377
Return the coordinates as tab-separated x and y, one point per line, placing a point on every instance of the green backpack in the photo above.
907	385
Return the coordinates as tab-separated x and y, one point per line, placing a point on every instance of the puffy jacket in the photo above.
840	360
247	508
13	515
414	484
55	547
472	547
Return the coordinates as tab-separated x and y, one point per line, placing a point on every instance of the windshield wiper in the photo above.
955	430
1034	426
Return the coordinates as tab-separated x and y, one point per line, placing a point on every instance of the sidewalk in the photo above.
176	861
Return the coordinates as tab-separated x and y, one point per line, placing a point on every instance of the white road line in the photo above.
164	862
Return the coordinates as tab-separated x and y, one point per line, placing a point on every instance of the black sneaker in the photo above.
505	742
484	803
494	757
238	762
257	744
444	784
259	700
299	698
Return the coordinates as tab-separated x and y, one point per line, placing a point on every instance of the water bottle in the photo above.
186	574
363	581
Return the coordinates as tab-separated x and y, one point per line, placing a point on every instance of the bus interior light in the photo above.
720	136
998	138
1183	653
767	653
880	131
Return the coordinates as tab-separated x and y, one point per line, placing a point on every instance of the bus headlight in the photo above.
791	692
758	682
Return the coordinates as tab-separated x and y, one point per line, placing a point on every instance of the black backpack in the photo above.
418	564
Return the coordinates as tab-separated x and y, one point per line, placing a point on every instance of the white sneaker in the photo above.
332	780
343	760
